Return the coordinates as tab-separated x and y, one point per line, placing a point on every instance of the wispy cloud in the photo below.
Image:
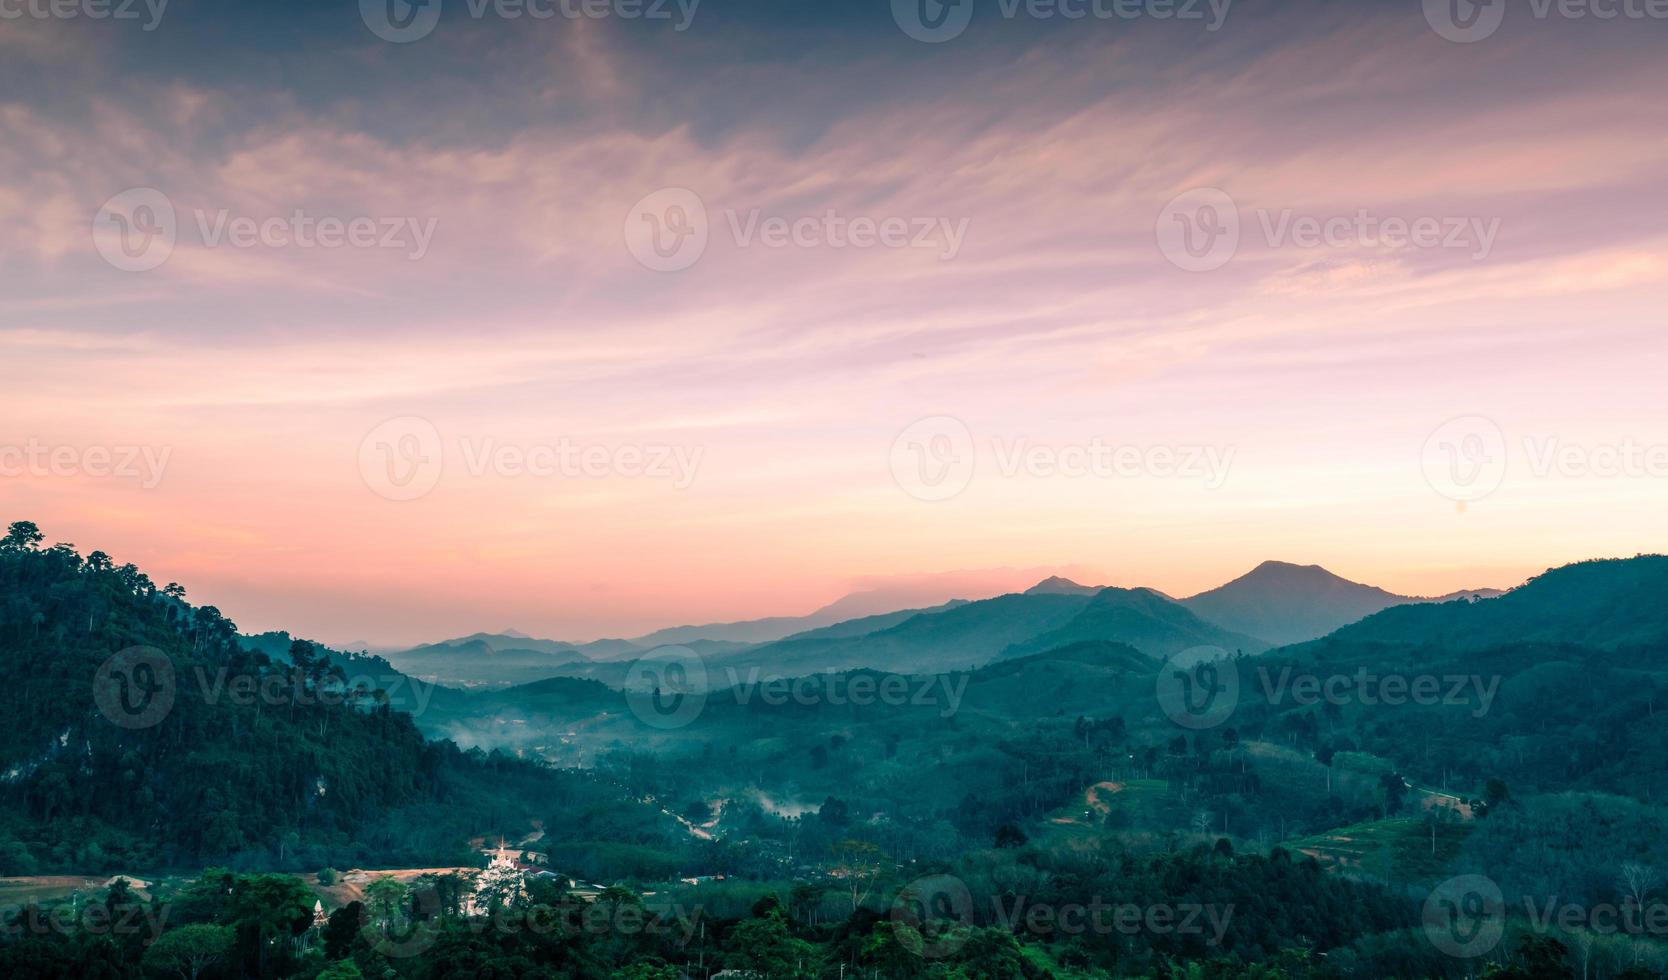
793	367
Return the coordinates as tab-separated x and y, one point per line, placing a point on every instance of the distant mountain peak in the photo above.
1056	585
1288	603
1145	619
1292	570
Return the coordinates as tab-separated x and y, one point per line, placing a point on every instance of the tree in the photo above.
22	536
342	928
858	862
1394	789
385	894
1324	755
1435	817
189	950
803	901
120	894
15	858
1495	793
1636	882
834	812
266	912
1538	958
992	953
889	953
445	893
766	947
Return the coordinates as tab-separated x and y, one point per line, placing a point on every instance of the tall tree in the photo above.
189	950
22	536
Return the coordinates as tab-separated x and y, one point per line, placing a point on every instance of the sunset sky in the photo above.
753	417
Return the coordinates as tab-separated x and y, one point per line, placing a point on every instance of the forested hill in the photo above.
140	734
1608	603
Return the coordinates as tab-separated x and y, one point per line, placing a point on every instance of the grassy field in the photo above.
1399	849
1147	804
48	889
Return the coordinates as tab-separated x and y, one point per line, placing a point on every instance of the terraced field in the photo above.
1397	849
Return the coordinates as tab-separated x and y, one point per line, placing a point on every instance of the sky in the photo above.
585	320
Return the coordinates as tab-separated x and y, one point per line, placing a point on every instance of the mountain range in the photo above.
1550	645
1275	604
1546	762
1577	651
